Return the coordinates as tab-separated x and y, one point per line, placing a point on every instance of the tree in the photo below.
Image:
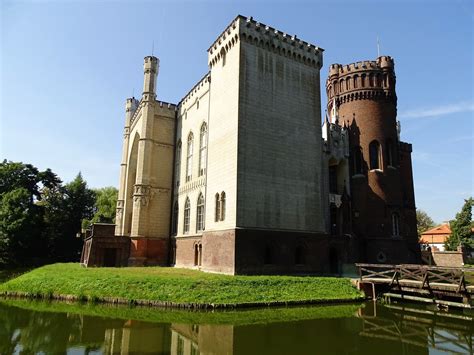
423	222
21	213
65	210
461	230
104	207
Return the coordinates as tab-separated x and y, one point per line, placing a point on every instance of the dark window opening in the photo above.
333	179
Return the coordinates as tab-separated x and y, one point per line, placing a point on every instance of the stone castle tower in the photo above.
382	196
239	177
144	202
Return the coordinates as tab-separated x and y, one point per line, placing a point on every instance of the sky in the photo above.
68	66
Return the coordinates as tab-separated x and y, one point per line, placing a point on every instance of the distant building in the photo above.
240	177
435	237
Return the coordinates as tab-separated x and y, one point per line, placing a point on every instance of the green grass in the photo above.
176	285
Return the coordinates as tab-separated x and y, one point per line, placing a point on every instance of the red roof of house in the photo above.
441	229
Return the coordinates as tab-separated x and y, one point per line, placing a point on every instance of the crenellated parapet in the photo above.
197	90
264	36
365	80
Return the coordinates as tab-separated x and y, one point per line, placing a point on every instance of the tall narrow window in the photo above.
187	215
200	213
371	79
348	83
222	206
218	208
389	154
395	225
356	79
362	80
202	149
189	157
333	179
177	166
341	86
374	152
357	161
174	227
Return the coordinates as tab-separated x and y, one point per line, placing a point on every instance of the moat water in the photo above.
28	327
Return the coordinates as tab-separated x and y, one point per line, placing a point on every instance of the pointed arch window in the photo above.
218	208
357	161
177	166
187	215
202	149
200	213
389	153
222	206
374	153
174	226
189	157
371	79
395	224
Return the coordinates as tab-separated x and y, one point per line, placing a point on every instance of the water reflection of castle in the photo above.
373	330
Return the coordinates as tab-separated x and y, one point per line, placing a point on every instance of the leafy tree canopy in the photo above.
461	230
423	222
104	208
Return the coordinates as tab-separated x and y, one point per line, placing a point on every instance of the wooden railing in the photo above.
422	276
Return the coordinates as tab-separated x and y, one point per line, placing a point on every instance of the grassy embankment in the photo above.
176	287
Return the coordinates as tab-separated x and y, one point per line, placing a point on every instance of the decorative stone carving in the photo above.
141	194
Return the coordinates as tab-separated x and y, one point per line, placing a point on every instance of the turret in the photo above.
150	69
130	107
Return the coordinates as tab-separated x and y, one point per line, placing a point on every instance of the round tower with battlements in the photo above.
383	206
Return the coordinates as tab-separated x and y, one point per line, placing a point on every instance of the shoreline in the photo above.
177	288
175	305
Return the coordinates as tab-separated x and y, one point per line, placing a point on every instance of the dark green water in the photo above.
56	328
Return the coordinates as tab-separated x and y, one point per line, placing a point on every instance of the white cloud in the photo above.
433	112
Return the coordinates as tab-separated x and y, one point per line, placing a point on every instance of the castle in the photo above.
241	177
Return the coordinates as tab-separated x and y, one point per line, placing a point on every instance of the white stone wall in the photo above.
279	172
192	114
223	130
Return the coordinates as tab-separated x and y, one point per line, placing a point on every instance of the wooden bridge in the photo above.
444	286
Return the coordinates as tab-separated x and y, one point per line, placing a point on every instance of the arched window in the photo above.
174	226
334	87
222	206
196	254
385	80
187	215
395	225
362	80
378	80
371	79
218	208
300	255
356	79
341	85
374	152
202	149
389	153
200	213
348	83
177	166
189	157
357	161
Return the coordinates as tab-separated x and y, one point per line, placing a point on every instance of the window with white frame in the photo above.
187	215
200	213
189	157
202	149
